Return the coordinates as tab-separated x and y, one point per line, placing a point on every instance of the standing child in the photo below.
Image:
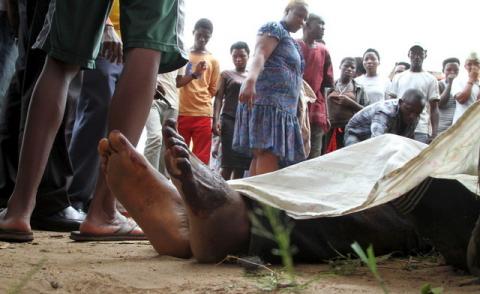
446	104
198	86
374	85
346	99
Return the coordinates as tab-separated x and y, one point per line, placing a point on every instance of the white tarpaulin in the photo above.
370	173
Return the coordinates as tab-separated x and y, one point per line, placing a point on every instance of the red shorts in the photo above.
198	130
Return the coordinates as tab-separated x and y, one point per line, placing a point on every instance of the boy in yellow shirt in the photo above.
198	86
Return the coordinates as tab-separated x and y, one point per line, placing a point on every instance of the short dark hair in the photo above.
406	64
294	4
373	51
313	17
240	45
350	59
414	95
450	60
203	23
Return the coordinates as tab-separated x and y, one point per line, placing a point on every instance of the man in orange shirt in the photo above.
197	88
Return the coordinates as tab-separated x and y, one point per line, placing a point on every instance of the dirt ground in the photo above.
54	264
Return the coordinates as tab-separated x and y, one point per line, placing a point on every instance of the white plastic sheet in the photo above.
370	173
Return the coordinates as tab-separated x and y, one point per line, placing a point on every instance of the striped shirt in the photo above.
377	119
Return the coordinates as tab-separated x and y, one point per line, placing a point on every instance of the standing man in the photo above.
197	88
466	89
417	78
319	75
152	40
92	112
164	107
53	210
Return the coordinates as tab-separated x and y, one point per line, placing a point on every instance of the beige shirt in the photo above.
169	83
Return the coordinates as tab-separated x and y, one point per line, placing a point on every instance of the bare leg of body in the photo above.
149	197
128	113
45	115
217	215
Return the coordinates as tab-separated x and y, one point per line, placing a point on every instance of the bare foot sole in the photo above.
217	215
203	190
148	196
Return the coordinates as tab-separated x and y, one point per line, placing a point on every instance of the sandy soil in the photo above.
54	264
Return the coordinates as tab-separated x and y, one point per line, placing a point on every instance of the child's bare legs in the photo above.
129	110
44	117
264	162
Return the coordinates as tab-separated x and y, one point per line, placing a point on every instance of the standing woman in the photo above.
266	123
234	164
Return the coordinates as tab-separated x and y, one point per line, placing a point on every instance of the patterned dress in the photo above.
272	122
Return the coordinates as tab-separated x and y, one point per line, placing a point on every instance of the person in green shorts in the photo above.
151	33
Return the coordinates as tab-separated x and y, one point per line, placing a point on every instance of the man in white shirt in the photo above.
466	89
417	78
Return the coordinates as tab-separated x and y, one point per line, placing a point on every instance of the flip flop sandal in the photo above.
15	236
124	233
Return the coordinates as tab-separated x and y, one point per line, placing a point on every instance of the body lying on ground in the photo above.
407	192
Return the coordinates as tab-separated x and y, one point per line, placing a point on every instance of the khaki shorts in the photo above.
76	30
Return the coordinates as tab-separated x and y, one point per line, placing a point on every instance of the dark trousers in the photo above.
10	107
90	126
52	193
9	128
31	17
8	54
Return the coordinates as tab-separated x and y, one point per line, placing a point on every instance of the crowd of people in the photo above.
67	93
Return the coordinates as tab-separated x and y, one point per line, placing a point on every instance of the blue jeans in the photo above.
90	126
